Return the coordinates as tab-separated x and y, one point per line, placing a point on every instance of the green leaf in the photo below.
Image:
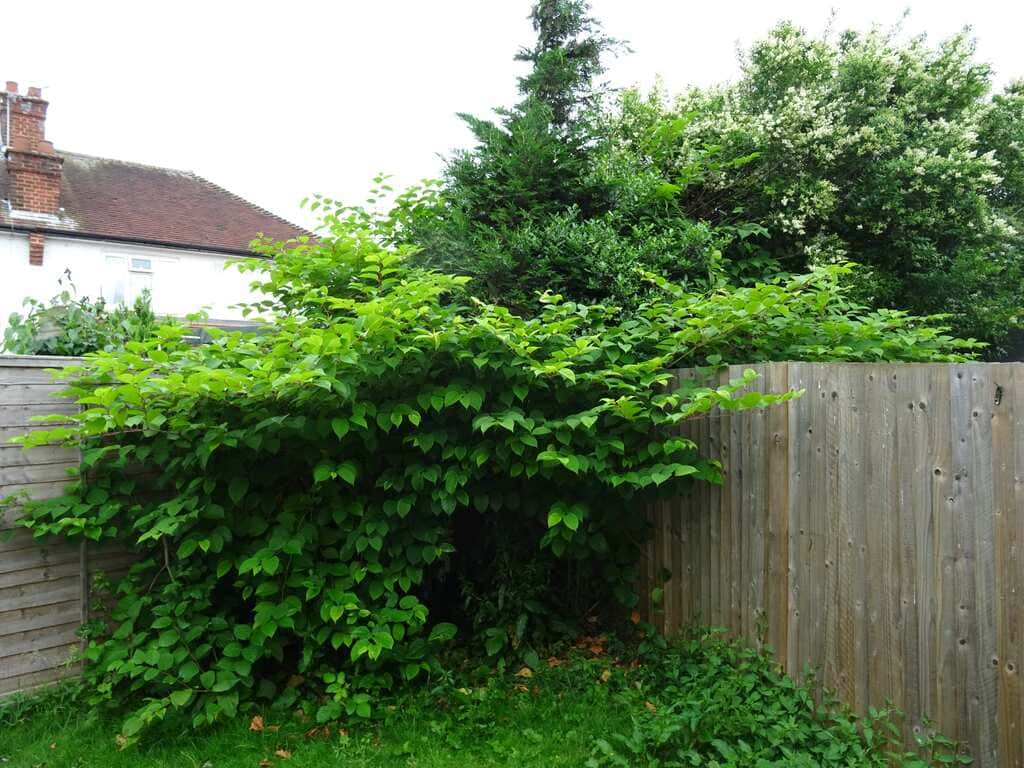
347	472
443	632
237	489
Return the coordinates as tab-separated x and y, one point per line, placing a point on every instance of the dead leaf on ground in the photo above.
554	661
284	754
635	617
257	723
650	707
265	763
594	644
525	672
606	676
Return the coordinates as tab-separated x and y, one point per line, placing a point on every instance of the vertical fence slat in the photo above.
777	542
1008	420
982	391
799	455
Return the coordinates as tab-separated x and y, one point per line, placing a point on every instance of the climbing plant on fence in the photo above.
300	498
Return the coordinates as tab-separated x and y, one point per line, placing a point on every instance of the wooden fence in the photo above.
872	529
44	593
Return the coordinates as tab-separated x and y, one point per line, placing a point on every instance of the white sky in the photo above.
277	100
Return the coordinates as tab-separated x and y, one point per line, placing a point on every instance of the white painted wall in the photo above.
182	281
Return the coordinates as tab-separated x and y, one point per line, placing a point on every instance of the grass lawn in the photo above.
555	722
701	702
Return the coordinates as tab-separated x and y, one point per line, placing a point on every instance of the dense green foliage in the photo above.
526	209
700	702
310	502
73	326
714	702
860	147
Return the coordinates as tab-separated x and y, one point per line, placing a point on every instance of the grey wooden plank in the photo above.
37	361
885	679
27	415
832	519
38	617
8	435
47	490
914	414
36	661
857	447
72	566
818	523
731	555
36	554
41	593
964	588
985	700
31	394
29	682
945	710
777	541
1008	497
36	473
17	456
19	375
755	480
801	434
36	640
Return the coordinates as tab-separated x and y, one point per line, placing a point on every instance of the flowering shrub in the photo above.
860	148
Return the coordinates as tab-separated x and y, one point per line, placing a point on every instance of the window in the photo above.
127	278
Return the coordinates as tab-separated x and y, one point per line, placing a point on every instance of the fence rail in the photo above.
872	529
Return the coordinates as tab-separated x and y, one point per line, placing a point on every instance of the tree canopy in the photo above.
857	147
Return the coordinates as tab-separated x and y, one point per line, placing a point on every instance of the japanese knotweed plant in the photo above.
293	494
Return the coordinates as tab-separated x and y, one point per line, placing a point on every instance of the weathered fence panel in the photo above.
43	587
873	529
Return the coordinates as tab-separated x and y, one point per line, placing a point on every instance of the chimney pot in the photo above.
35	92
12	87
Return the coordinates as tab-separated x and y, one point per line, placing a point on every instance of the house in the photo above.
118	227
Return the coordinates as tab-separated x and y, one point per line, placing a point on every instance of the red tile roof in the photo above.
113	199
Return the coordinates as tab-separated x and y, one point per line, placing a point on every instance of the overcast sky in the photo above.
277	100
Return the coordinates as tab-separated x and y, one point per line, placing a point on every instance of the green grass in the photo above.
554	723
703	701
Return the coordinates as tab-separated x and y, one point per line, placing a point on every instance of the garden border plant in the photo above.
304	499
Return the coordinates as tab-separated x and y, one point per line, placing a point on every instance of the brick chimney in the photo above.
33	167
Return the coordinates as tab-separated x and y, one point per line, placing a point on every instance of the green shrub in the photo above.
856	146
303	498
706	700
74	326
